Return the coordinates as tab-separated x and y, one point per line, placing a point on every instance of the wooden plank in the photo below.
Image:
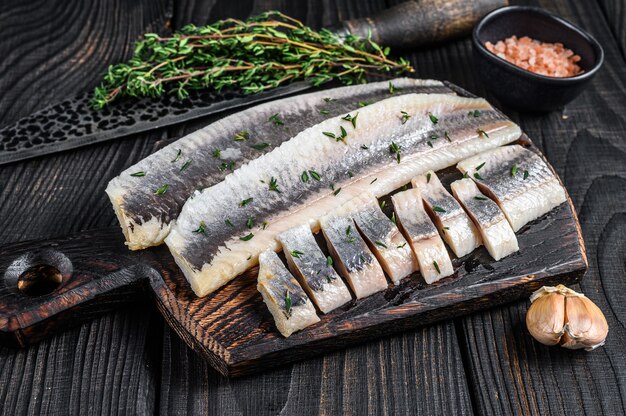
51	50
419	372
615	17
509	372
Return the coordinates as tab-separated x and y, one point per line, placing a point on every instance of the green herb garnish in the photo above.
296	253
436	267
241	136
201	228
428	177
438	209
351	119
336	191
260	146
324	112
228	222
375	179
477	176
304	177
216	153
364	103
138	174
273	185
178	153
405	117
287	303
392	88
185	165
276	120
329	261
445	134
380	243
513	170
480	198
395	148
482	132
525	174
245	202
247	237
315	175
250	223
433	119
162	189
479	166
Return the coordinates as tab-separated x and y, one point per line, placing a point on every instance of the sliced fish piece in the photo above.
451	220
497	234
352	257
312	269
289	305
320	169
385	240
422	235
519	180
149	195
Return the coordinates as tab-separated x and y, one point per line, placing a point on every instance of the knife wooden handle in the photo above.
48	286
417	23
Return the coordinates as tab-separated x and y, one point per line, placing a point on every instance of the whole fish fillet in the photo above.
149	195
320	169
309	264
352	257
424	239
518	179
454	225
497	234
291	308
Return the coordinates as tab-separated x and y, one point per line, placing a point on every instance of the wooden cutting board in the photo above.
232	328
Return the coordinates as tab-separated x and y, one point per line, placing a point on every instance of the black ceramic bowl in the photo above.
522	89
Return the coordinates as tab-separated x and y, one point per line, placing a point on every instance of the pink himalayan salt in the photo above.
550	59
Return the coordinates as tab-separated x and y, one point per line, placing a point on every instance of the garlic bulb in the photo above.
559	315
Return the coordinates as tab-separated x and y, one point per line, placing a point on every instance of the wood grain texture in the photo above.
52	49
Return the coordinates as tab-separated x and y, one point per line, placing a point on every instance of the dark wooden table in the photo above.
130	362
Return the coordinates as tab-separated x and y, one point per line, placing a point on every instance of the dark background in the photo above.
130	362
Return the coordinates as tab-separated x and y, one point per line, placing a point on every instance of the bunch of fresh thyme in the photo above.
260	53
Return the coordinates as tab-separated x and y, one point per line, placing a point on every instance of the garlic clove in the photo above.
585	324
545	318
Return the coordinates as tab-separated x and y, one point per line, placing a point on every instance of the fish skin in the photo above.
273	282
521	200
422	235
352	257
455	227
146	218
385	240
498	236
209	263
318	279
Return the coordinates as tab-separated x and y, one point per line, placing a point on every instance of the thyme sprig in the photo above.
254	55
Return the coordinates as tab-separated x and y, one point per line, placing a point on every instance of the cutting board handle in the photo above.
416	23
49	286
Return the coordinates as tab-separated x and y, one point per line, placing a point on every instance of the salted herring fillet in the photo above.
354	260
312	174
519	180
204	157
385	240
497	234
312	269
423	237
289	305
451	220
